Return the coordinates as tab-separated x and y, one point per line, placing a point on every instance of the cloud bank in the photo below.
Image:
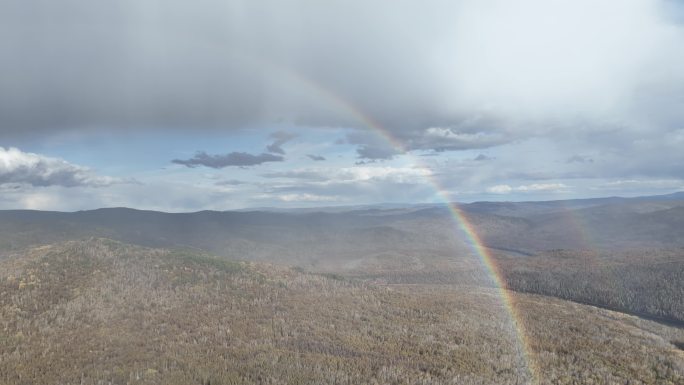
518	96
25	168
535	187
239	159
465	74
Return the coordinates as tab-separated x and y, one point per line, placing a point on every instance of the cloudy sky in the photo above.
224	104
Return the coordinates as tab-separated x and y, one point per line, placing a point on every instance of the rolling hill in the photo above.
99	311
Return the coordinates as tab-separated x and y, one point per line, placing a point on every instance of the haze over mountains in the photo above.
571	249
522	227
346	295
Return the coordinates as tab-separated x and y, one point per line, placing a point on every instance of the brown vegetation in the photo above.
101	312
647	282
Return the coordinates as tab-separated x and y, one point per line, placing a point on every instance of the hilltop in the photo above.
99	311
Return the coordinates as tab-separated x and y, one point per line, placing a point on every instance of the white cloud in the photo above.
356	174
25	168
542	187
394	174
548	59
640	184
500	189
307	198
535	187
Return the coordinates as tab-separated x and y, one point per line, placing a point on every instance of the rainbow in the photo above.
457	214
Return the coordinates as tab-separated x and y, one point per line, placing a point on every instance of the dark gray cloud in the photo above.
371	152
445	139
77	65
316	158
372	147
482	157
315	175
239	159
580	159
80	65
468	75
19	168
464	134
280	138
230	182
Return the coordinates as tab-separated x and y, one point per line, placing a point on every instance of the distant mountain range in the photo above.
309	237
624	254
480	205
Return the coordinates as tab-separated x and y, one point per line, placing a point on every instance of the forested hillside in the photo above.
647	282
623	254
309	238
101	312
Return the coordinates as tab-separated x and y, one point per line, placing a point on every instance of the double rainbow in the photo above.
460	219
457	214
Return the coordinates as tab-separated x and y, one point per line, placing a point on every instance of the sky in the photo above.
227	104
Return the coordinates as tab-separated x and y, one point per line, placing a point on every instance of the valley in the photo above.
386	296
99	311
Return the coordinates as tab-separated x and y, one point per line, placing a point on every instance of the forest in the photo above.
375	295
647	283
102	312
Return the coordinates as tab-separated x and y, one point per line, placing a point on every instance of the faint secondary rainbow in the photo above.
459	217
457	214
